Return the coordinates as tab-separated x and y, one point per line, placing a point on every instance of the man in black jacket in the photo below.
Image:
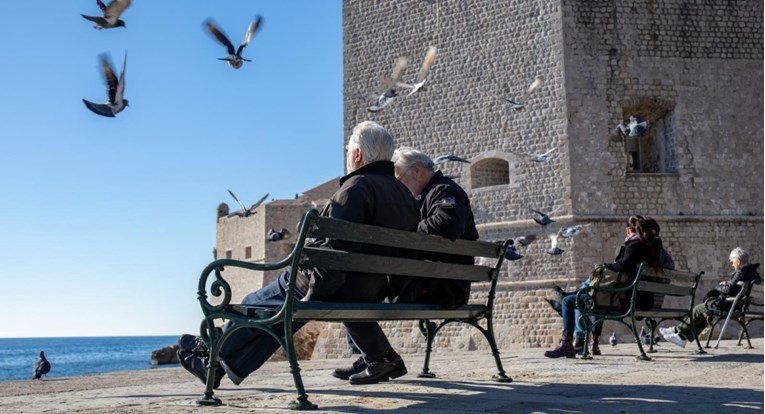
369	193
444	211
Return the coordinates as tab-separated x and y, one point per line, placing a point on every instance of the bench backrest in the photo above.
754	299
415	243
668	284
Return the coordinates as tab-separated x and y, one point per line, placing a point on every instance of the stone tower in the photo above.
692	69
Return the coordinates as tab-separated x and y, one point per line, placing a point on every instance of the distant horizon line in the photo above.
85	336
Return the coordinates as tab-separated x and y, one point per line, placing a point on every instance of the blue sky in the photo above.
107	223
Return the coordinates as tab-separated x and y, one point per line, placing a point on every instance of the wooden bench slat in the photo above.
673	290
361	262
324	311
362	233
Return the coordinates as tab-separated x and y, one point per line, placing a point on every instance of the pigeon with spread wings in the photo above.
110	14
234	58
422	75
117	102
518	103
385	98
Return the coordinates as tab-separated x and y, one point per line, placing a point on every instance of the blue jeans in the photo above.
572	317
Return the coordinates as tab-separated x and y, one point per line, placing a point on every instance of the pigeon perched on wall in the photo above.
571	231
234	58
635	128
385	98
541	218
612	339
554	249
117	102
518	103
276	235
445	158
111	14
422	75
42	367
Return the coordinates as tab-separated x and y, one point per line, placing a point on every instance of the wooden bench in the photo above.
314	226
751	298
674	297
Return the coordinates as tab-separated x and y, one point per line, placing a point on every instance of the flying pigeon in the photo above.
117	102
541	218
554	249
635	128
571	231
512	253
422	75
245	211
42	367
612	339
391	83
517	104
234	58
276	235
111	14
444	158
542	157
259	202
525	240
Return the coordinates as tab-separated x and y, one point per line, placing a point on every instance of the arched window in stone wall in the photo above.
656	150
488	172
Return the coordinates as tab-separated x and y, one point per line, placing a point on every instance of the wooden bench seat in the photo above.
432	318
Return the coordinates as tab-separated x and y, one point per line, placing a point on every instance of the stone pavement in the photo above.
726	380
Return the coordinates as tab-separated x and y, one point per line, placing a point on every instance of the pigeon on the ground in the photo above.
612	339
111	14
391	84
42	366
422	75
541	218
571	231
542	157
635	128
276	235
554	249
645	337
234	58
518	103
245	211
444	158
117	102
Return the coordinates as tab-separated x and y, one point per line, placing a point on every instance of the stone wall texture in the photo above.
694	69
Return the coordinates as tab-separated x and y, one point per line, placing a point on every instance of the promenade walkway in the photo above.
727	380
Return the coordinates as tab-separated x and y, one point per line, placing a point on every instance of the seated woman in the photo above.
743	271
639	246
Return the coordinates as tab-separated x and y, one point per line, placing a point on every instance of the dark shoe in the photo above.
197	367
579	345
345	373
564	349
193	344
381	370
594	346
555	305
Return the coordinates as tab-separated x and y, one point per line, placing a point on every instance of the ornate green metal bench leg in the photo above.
700	350
586	345
208	399
744	331
302	402
652	331
501	376
426	329
642	356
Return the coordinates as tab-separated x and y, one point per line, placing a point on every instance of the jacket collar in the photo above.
437	176
376	167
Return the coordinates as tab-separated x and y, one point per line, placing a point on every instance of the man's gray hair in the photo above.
742	255
406	157
375	142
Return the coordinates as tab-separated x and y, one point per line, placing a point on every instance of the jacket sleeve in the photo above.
634	253
446	214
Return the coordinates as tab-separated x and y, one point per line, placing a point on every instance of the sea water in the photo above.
70	357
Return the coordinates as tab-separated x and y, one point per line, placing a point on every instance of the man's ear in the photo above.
358	156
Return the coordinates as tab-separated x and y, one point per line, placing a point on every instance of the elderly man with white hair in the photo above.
743	271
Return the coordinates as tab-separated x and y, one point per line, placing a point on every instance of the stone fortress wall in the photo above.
693	69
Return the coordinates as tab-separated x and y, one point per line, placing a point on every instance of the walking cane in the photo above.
730	312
